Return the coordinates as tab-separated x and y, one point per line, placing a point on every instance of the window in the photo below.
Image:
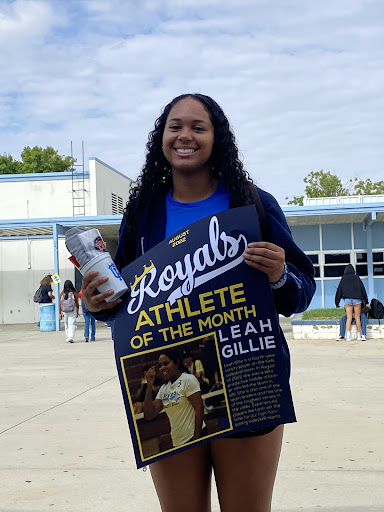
362	263
337	258
335	263
315	260
117	204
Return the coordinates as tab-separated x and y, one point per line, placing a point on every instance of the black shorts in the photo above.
252	433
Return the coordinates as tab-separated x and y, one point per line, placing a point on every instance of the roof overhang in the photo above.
108	225
331	214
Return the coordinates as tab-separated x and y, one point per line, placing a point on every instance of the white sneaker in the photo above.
349	337
339	338
359	336
363	338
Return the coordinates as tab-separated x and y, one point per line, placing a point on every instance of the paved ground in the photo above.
65	446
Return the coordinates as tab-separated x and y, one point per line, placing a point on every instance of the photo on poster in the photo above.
200	385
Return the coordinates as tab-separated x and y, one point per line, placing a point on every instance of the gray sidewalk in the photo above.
65	444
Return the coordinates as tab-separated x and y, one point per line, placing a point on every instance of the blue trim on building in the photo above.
43	176
341	209
25	237
64	221
371	286
56	270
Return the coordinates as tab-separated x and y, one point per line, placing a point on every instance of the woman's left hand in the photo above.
267	257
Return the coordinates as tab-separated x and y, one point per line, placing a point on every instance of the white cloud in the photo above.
301	83
25	22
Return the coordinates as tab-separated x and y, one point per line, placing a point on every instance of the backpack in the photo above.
38	296
68	305
377	309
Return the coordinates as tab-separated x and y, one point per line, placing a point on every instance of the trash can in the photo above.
47	317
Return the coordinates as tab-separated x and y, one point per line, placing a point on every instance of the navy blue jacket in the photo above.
294	297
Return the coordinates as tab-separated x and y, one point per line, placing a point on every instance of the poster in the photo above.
194	294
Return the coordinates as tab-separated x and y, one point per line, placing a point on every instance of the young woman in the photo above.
179	396
46	290
89	320
192	170
352	290
69	309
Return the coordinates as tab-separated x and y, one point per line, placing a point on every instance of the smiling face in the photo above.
169	370
188	137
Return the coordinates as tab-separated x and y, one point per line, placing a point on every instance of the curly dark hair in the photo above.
224	161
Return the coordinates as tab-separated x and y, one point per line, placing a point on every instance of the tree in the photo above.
321	184
8	165
324	184
38	159
296	200
368	187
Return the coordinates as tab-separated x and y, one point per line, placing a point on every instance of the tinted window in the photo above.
337	258
361	257
314	258
362	270
334	271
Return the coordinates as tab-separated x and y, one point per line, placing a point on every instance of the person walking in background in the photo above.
89	320
351	289
69	309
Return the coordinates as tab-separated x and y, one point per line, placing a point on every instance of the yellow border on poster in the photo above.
130	400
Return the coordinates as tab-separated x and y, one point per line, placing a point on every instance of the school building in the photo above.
37	209
335	231
35	212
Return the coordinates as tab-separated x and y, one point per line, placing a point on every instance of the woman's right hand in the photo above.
150	376
95	302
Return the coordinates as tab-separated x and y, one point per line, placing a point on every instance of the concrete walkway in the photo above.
65	445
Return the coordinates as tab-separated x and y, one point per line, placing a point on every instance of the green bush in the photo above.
323	314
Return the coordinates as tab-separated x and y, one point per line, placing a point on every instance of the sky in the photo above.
301	81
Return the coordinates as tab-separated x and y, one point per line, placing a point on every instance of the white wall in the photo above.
27	198
24	263
104	180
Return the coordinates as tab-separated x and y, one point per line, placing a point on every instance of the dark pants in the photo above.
343	323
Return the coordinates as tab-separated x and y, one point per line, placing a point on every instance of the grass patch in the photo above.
323	314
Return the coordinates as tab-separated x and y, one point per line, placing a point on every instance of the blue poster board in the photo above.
194	293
